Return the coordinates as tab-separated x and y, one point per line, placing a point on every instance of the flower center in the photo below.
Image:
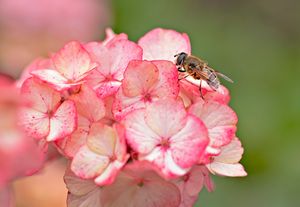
140	183
165	143
186	177
147	97
112	158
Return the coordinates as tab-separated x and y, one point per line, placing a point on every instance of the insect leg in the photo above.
183	77
200	89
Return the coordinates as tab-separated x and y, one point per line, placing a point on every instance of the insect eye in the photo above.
181	58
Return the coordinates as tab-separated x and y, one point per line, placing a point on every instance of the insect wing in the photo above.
224	77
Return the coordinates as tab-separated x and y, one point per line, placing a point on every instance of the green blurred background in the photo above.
257	44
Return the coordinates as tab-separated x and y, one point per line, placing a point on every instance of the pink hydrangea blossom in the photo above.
44	113
134	132
71	65
145	82
137	184
112	56
103	155
166	135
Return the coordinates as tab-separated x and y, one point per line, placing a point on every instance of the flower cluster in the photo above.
135	134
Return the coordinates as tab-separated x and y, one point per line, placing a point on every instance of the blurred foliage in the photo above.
256	43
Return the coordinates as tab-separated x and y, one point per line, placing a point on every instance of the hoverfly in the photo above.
199	70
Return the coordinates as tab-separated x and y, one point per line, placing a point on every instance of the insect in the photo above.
199	70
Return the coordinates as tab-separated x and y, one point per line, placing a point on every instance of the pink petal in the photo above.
168	80
108	176
121	53
123	104
220	120
226	163
102	139
89	104
166	117
87	164
34	123
70	145
73	61
138	134
76	185
114	57
224	169
171	166
39	96
162	44
231	153
189	143
54	78
111	36
37	64
190	186
139	77
107	88
89	200
63	122
121	145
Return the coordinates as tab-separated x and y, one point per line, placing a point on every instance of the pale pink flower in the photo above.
163	44
166	135
145	82
103	155
44	113
71	65
220	121
227	162
112	56
138	184
192	183
81	192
